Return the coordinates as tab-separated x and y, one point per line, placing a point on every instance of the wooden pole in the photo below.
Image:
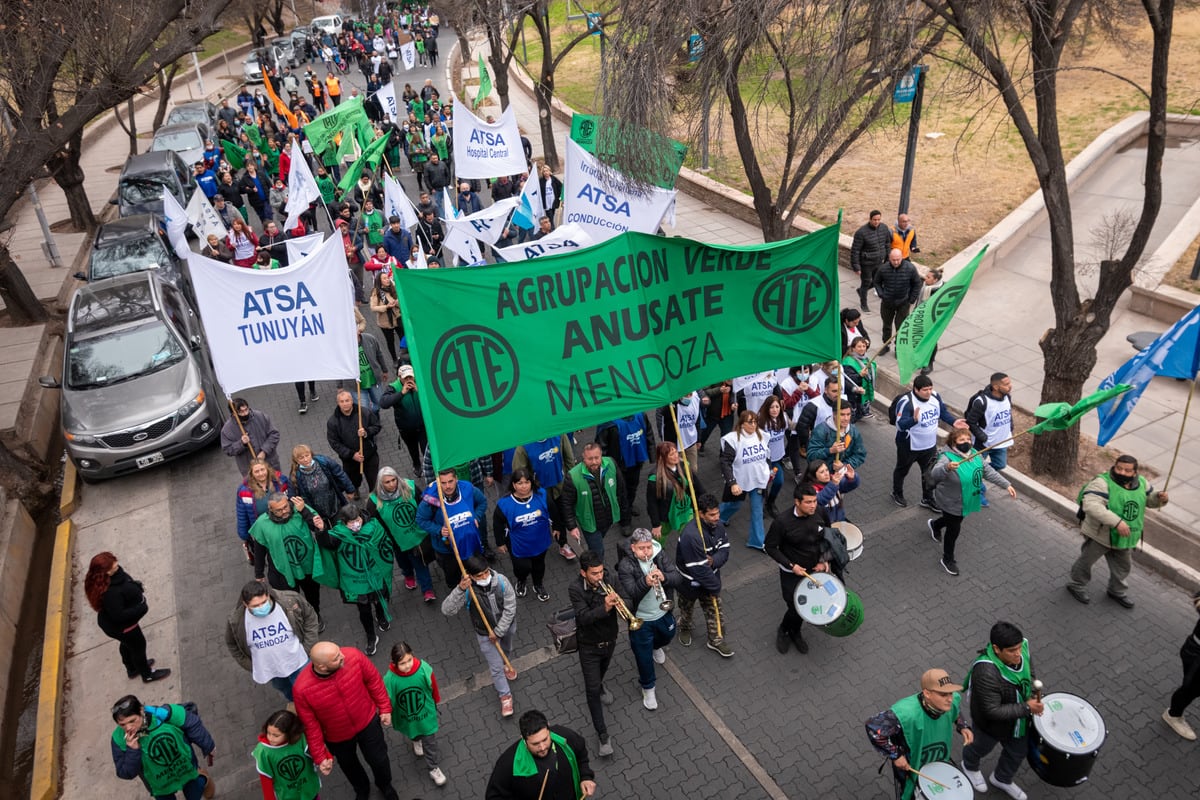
362	459
542	791
687	471
926	777
250	446
1179	441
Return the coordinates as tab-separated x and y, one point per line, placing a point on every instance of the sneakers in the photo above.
1010	789
950	566
928	502
721	649
899	500
660	656
976	778
439	777
782	641
410	583
1121	600
1178	724
801	645
156	675
372	646
522	589
506	705
649	700
303	408
1079	594
606	696
541	593
606	748
418	748
566	552
685	637
312	397
430	597
385	624
933	532
868	413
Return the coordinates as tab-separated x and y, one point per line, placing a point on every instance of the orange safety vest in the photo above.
335	90
903	243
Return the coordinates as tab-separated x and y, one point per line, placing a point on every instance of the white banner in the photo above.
487	224
483	150
396	202
387	100
463	245
562	239
175	218
408	54
302	247
302	188
592	198
204	217
282	325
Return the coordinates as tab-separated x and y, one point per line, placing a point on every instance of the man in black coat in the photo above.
868	252
899	286
354	442
545	764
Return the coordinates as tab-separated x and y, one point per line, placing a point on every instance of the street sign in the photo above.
695	47
595	24
906	89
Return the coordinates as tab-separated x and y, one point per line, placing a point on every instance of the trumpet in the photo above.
663	602
622	609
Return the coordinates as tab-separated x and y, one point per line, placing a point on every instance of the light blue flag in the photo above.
523	214
1175	354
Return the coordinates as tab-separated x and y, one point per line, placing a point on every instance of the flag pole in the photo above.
362	461
1179	441
250	445
687	471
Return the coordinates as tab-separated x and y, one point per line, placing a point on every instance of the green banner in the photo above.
485	83
512	353
369	158
1060	416
234	154
918	335
592	133
347	116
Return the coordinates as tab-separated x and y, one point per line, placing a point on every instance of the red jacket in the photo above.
340	705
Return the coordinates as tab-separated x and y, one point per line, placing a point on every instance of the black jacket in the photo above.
503	785
657	508
634	585
593	623
405	407
341	431
976	407
795	540
898	285
697	576
995	704
277	244
122	605
870	246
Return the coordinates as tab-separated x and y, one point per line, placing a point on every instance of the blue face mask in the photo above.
263	610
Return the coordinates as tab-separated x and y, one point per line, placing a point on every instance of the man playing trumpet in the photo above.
596	606
649	579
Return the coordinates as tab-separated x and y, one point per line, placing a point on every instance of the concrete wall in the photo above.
17	537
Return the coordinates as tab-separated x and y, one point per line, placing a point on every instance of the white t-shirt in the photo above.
751	460
688	411
275	649
757	387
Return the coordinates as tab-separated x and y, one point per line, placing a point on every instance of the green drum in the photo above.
849	620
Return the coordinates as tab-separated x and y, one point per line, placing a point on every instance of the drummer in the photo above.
917	729
1002	705
796	540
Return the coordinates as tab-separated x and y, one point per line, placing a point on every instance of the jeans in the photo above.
192	790
284	685
1120	564
653	635
595	541
412	563
905	458
494	661
374	749
999	460
757	534
1012	753
594	661
776	482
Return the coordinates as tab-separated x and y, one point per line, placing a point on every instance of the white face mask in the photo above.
483	582
354	525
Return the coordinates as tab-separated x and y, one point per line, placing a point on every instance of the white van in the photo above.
331	24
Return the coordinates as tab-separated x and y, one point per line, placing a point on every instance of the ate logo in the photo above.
296	549
1130	511
794	300
474	371
410	703
404	514
293	767
587	129
934	751
162	751
945	300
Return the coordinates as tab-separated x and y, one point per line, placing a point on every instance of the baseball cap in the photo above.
939	680
405	371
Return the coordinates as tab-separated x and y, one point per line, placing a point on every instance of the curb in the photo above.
47	751
68	499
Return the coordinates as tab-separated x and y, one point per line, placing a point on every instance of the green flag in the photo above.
600	136
1060	416
513	353
370	157
920	331
345	149
485	83
253	134
346	116
234	154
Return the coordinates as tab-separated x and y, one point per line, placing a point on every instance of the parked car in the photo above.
185	139
143	178
136	244
299	39
252	71
138	387
287	51
331	24
201	112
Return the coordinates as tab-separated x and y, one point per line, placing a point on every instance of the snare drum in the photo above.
854	538
955	785
1065	741
820	598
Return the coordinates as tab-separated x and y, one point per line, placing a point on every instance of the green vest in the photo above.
373	222
970	478
291	546
584	512
413	711
928	739
326	185
366	375
399	516
1129	505
291	769
1022	678
364	560
167	759
524	766
680	512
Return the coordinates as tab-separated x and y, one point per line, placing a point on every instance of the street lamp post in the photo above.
912	89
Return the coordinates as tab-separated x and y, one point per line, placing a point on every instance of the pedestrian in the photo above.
689	412
251	501
859	372
285	768
319	482
350	432
286	553
1189	690
493	617
830	485
385	302
544	764
917	729
154	744
917	414
1114	507
363	555
550	190
649	579
595	603
669	492
956	483
216	249
989	416
852	327
249	434
629	442
460	511
818	410
401	396
343	705
1003	706
931	281
549	460
773	424
904	236
746	468
898	285
592	498
523	530
372	370
269	634
838	441
721	411
796	540
753	390
413	689
868	252
395	504
702	550
120	603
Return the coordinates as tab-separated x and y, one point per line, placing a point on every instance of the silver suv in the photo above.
138	386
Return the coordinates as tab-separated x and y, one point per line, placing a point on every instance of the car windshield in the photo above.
252	59
131	256
180	141
145	188
122	355
188	115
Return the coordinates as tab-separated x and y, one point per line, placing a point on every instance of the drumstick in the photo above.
926	777
1037	690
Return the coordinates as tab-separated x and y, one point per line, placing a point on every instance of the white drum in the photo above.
854	538
1065	741
820	598
955	785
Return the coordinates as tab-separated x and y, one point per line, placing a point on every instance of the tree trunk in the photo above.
543	90
277	17
166	77
498	63
64	168
23	306
130	128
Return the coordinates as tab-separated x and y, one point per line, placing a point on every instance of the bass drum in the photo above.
1065	741
854	538
820	598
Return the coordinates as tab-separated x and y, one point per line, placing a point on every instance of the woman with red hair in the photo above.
120	603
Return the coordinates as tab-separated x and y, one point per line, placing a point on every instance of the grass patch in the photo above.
221	41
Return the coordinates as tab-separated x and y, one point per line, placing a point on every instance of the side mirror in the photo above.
49	382
112	201
196	343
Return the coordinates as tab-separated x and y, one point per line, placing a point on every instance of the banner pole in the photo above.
250	445
1183	423
687	471
362	459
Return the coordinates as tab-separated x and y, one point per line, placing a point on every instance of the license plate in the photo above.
150	460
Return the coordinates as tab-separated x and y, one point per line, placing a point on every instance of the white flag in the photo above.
450	210
281	325
408	54
204	217
387	100
463	245
303	246
486	150
396	202
302	188
593	197
562	239
486	224
175	218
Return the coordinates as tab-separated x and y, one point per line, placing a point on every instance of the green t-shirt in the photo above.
290	768
414	713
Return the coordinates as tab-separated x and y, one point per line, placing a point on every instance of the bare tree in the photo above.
500	20
166	77
800	83
129	127
1027	83
65	64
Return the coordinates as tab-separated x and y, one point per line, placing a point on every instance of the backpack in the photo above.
894	407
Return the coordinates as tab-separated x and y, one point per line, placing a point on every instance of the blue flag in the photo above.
523	215
1175	354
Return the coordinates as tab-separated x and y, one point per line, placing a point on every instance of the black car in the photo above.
136	244
144	177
